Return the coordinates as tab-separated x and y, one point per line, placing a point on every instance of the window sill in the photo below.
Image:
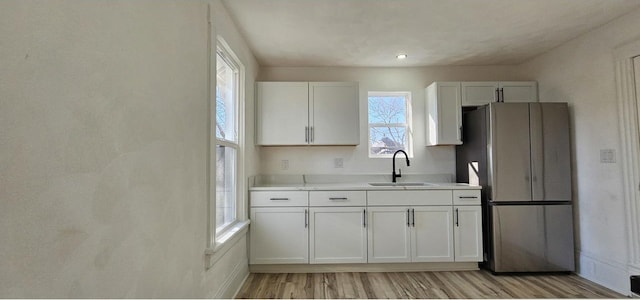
225	241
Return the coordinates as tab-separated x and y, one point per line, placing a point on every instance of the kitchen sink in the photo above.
400	184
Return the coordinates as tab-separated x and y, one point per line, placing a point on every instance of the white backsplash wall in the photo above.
426	160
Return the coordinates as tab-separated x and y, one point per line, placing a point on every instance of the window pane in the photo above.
387	140
387	109
225	186
226	127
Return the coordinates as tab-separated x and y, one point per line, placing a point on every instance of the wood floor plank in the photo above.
420	285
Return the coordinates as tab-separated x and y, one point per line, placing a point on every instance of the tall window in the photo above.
389	123
227	139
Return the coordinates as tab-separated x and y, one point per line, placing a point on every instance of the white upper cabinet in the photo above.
444	114
475	93
519	91
307	113
283	113
334	117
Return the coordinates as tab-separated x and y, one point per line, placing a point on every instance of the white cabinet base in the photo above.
378	267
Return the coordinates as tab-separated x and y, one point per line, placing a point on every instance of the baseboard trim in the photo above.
241	284
610	274
234	281
395	267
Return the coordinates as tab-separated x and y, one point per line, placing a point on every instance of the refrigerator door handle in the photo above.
537	151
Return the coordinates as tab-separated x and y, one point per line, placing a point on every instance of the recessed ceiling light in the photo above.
401	56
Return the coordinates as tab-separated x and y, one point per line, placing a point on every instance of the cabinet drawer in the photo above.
280	198
432	197
337	198
466	197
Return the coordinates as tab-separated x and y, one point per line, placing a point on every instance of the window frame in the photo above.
408	119
218	237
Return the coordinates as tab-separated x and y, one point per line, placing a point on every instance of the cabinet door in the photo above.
468	233
432	233
282	113
334	113
519	91
444	113
279	235
476	93
389	238
337	235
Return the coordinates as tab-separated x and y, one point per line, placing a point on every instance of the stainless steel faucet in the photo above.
393	174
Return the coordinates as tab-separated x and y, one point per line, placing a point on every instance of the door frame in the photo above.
628	118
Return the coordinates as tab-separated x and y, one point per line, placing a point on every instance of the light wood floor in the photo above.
458	284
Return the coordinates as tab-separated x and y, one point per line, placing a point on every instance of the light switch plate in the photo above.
284	164
607	156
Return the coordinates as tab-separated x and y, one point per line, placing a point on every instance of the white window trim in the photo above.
219	243
408	125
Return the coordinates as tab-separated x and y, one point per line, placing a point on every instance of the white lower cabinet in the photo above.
389	234
331	227
468	233
410	234
337	235
279	235
432	233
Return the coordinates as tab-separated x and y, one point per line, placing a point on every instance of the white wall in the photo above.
581	72
104	133
426	160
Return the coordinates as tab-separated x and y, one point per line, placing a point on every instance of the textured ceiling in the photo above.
432	32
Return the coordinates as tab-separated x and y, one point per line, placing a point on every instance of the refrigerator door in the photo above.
509	152
532	238
550	152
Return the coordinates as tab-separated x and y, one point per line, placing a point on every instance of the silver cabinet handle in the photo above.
413	217
502	94
311	135
408	222
364	218
496	96
306	134
306	218
278	199
457	219
468	197
339	199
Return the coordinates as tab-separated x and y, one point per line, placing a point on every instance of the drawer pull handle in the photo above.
468	197
338	199
279	199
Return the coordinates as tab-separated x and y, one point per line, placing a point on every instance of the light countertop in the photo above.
353	183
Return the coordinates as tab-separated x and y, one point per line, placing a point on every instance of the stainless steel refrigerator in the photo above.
520	154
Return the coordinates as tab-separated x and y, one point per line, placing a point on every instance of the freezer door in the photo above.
531	238
509	152
550	152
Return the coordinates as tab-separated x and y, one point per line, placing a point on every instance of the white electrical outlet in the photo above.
338	163
607	156
284	164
